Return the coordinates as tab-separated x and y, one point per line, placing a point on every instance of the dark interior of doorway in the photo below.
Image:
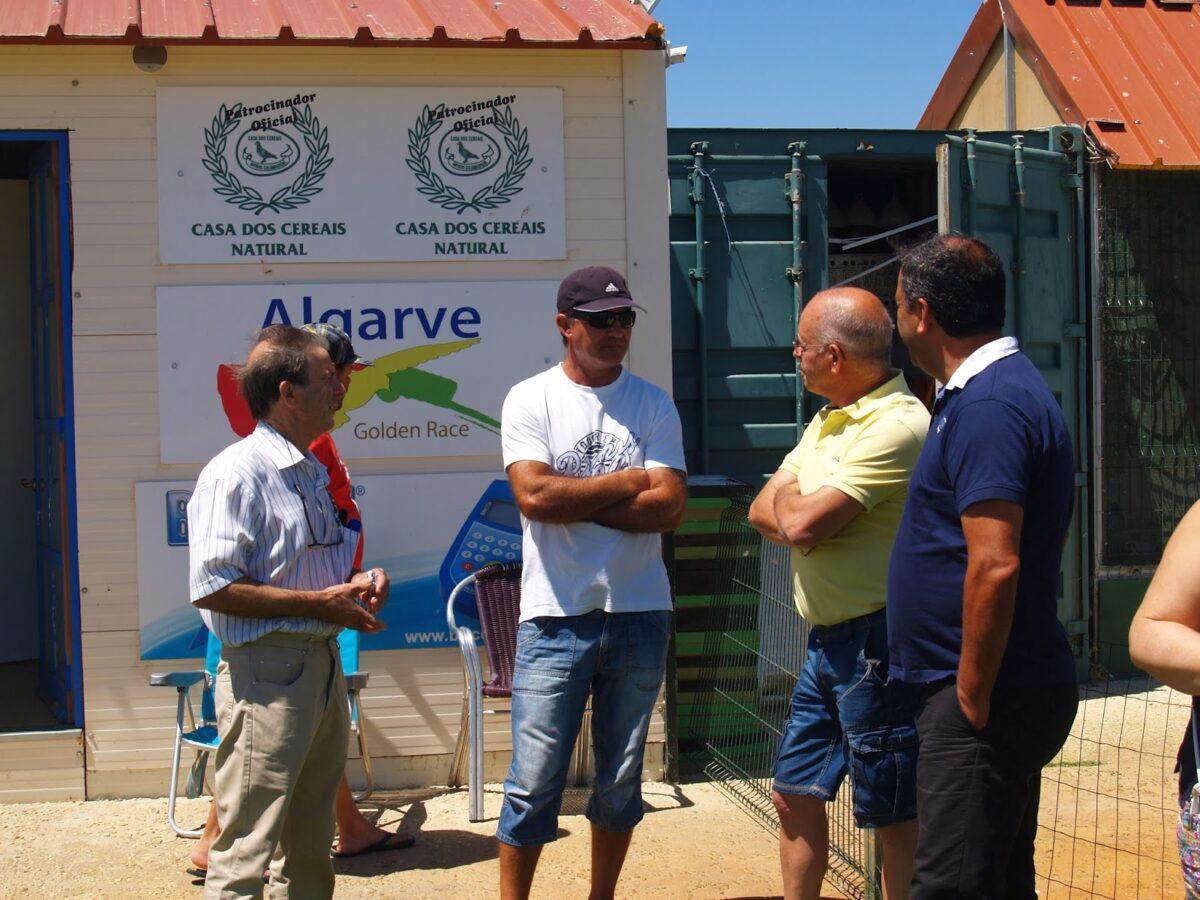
872	197
22	708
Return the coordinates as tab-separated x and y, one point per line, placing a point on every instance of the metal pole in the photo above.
698	274
971	182
1018	263
795	194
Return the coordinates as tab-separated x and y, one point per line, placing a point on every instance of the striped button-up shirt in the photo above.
261	511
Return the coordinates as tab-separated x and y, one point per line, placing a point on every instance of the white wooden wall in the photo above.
615	129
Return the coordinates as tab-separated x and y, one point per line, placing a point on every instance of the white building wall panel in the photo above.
614	113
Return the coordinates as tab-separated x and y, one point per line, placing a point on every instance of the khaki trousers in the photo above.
284	725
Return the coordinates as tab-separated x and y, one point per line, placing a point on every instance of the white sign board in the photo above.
445	356
414	527
313	174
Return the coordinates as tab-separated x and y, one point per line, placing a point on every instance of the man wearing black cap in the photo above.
595	458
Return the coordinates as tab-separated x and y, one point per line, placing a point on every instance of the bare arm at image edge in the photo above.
993	532
656	509
1164	638
543	496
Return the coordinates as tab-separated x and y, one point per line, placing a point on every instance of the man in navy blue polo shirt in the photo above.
973	580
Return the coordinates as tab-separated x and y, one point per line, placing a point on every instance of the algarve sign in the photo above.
320	174
444	357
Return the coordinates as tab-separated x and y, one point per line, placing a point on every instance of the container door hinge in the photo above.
1077	626
1075	331
1081	479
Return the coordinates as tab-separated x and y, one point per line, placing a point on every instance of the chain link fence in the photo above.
1109	799
753	652
1149	356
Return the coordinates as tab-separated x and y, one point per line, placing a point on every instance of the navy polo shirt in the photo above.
1001	436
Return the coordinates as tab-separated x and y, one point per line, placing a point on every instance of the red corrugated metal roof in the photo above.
1128	71
476	22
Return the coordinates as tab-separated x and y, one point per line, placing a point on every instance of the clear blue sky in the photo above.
809	63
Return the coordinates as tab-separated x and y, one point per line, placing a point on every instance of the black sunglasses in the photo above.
323	518
607	319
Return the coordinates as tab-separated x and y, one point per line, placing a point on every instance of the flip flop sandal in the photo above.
390	841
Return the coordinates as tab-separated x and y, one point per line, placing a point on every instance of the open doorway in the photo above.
877	210
39	644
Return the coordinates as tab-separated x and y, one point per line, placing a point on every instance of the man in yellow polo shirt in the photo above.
836	501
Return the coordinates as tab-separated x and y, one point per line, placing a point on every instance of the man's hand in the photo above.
348	605
383	585
976	706
376	587
761	515
656	508
805	520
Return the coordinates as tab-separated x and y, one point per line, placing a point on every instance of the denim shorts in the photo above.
846	715
619	658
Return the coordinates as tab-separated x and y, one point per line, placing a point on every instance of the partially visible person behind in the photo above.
595	458
973	581
271	571
836	501
1164	640
355	834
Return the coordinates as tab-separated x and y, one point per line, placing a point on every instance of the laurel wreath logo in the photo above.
299	192
502	190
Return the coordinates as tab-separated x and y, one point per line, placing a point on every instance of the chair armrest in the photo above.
356	681
176	679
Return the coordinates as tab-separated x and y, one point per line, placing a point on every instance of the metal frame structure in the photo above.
470	739
204	738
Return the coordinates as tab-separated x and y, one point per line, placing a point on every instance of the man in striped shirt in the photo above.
271	569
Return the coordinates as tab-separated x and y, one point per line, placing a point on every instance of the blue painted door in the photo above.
58	632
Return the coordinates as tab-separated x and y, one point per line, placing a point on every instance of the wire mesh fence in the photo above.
1109	799
753	653
1149	335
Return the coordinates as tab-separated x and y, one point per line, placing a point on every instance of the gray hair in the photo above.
868	338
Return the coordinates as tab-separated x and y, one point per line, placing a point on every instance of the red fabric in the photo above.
237	411
324	449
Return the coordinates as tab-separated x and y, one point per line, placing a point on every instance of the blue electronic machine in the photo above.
491	534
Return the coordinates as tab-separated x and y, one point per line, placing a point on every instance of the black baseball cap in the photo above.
594	289
341	351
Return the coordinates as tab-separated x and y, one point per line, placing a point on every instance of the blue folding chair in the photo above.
202	736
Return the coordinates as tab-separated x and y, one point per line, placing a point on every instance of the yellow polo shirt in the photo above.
866	450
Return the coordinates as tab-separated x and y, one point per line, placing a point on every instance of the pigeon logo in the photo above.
480	147
280	144
612	289
468	153
269	152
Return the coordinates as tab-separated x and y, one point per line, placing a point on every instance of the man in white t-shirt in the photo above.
595	458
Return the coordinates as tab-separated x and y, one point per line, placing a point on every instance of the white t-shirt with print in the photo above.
579	432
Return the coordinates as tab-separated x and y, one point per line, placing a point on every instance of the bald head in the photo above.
852	318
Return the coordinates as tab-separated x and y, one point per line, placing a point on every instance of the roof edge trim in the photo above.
209	38
964	67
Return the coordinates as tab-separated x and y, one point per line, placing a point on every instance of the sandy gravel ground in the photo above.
692	843
1108	811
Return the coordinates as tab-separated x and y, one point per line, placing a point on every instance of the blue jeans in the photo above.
847	715
620	659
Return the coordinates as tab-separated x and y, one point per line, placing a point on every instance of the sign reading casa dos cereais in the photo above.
315	174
